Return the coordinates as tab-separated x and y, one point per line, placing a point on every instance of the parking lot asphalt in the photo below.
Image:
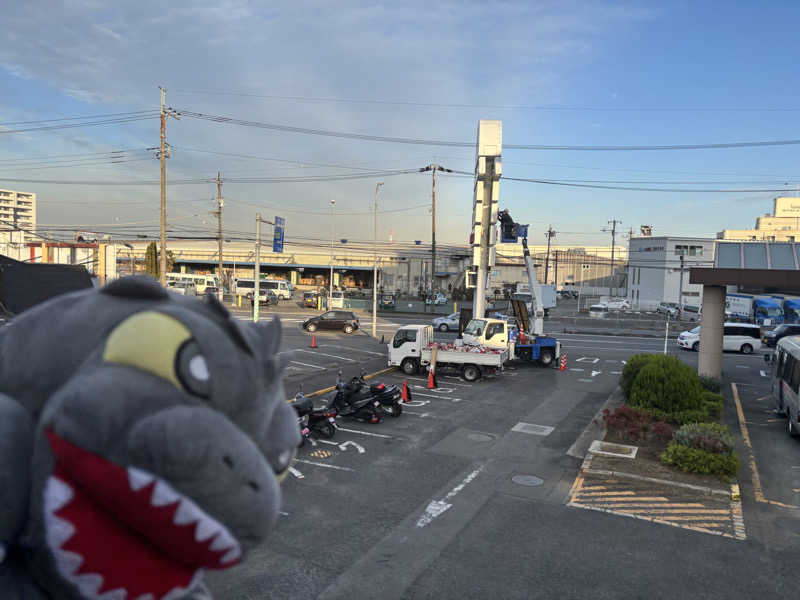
465	494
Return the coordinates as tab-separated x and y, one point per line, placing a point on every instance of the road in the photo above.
431	504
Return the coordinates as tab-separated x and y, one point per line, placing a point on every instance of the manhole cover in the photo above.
479	437
529	480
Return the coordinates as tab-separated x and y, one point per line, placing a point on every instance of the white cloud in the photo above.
116	54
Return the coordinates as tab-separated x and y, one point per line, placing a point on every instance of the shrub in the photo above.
636	424
681	417
711	384
631	370
711	437
693	460
667	387
662	431
712	403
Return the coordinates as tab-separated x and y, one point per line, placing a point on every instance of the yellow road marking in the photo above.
696	511
626	498
628	493
594	487
758	491
645	505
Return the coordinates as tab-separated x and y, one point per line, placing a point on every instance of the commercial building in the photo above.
658	269
783	225
18	212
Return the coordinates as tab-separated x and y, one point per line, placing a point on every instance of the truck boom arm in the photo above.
536	292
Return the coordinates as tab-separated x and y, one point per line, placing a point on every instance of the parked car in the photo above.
310	299
771	338
333	319
692	313
617	304
667	308
448	323
267	297
437	299
737	337
185	288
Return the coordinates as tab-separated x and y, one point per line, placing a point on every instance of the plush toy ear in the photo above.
138	287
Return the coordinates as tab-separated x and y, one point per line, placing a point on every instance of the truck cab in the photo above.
491	333
406	346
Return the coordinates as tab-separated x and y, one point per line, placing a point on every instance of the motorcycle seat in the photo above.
303	406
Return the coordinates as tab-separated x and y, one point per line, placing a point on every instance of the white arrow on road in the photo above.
343	446
296	473
596	373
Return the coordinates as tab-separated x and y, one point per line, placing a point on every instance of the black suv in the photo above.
343	320
771	337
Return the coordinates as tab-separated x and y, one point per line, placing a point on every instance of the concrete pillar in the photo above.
710	360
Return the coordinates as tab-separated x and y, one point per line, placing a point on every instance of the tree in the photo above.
151	261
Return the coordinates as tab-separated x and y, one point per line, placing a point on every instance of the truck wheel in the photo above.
524	354
546	357
471	372
409	366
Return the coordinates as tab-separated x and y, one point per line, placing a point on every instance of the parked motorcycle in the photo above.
319	420
351	401
388	395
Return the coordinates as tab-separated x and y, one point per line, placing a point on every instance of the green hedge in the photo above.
693	460
711	437
712	403
667	385
631	370
712	384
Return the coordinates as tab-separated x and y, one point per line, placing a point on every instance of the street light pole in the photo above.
256	271
375	265
330	283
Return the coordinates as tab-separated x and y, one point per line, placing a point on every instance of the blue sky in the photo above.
607	58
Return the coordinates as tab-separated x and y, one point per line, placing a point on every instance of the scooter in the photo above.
320	420
350	401
388	396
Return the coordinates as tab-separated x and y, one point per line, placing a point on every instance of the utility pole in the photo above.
433	230
613	223
479	302
219	233
330	283
549	234
555	263
680	291
256	269
375	265
163	155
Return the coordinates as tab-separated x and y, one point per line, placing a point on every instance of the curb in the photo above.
596	427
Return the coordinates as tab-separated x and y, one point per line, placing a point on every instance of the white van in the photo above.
737	337
281	287
336	299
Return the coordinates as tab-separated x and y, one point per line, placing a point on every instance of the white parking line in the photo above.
353	349
416	393
763	373
318	464
323	354
308	365
425	380
369	433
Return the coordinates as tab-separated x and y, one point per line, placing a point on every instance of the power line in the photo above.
496	106
639	189
428	142
111	121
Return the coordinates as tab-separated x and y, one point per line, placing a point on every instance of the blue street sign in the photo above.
277	241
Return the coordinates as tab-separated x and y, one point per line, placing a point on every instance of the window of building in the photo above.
686	250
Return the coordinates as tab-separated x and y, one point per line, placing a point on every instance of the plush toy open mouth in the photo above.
123	534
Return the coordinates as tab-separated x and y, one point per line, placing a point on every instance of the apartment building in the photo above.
18	212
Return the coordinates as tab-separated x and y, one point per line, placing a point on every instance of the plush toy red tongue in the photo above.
122	534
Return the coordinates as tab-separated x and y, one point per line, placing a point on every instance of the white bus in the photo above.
786	381
201	282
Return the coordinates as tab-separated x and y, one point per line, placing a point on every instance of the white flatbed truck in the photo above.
408	349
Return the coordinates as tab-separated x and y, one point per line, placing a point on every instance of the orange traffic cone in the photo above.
431	380
313	341
406	396
563	366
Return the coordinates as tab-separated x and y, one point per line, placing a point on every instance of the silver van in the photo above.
786	381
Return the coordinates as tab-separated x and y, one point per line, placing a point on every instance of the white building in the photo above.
654	269
18	210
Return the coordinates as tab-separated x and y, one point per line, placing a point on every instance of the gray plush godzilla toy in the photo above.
142	436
